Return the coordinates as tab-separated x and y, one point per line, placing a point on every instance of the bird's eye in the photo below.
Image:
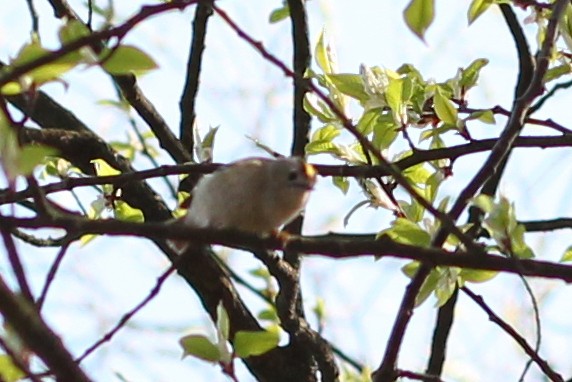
292	175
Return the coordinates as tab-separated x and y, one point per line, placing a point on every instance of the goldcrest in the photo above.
255	195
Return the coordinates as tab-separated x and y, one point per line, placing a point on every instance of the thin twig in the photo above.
50	277
534	108
34	15
16	263
127	316
551	374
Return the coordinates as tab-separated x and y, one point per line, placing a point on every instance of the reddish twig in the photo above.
547	370
118	32
127	316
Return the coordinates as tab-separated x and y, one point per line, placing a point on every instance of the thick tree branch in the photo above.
22	316
333	246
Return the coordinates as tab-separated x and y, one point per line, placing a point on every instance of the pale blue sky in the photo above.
245	95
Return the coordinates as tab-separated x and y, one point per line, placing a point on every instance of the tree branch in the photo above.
333	246
546	369
22	316
188	100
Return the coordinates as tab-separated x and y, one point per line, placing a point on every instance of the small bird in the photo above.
254	195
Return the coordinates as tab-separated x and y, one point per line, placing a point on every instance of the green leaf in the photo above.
73	30
222	321
323	54
127	59
325	134
477	275
104	169
406	232
446	285
249	343
557	72
8	371
417	174
45	73
428	287
124	211
279	14
318	108
445	109
485	116
477	8
31	156
350	85
268	315
470	75
394	98
201	347
385	131
419	15
320	309
321	147
16	160
342	183
567	256
565	27
484	202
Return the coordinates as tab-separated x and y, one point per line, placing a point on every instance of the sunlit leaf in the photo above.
249	343
485	116
567	255
322	53
470	75
445	109
446	284
406	232
326	133
268	315
279	14
477	275
477	8
124	211
127	59
201	347
8	371
394	97
73	30
419	15
222	322
342	183
349	84
104	169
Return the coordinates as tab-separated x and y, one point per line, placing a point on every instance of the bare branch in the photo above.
334	246
551	374
127	316
187	104
22	316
